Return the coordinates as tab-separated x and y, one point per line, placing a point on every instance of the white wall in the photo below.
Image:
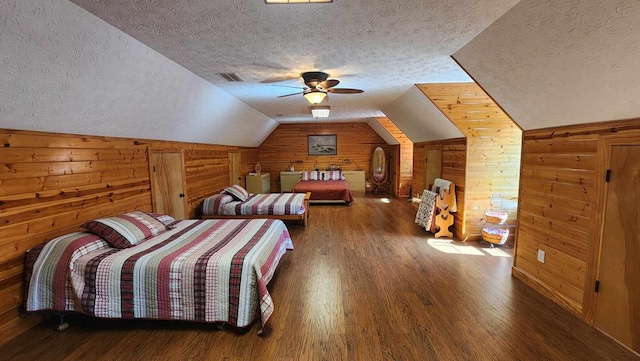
65	70
419	119
560	62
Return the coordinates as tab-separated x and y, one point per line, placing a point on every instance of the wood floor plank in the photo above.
363	283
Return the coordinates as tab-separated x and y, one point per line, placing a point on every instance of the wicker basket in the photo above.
496	217
495	235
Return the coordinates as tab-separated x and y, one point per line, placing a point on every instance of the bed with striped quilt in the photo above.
284	206
201	270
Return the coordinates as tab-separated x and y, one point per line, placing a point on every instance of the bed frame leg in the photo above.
62	325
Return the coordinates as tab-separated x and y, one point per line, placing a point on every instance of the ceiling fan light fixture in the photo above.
315	96
320	111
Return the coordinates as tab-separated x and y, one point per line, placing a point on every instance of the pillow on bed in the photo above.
165	219
310	175
331	175
237	192
126	230
212	205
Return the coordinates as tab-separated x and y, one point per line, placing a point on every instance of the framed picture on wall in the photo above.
323	144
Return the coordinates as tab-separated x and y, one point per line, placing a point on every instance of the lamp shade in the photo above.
320	111
315	96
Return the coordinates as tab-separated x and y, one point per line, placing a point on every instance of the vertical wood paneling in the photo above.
560	209
288	143
406	157
492	150
50	184
419	168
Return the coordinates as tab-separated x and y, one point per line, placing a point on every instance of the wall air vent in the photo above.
232	77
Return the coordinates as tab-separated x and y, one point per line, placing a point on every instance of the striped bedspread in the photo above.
269	203
202	270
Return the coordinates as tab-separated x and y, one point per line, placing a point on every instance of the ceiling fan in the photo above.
318	86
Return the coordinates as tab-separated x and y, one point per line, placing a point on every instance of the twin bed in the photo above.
284	206
318	186
134	266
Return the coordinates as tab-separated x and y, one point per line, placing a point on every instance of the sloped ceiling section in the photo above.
65	70
382	131
560	62
419	119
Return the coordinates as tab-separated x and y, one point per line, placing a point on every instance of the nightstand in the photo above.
258	183
355	179
288	180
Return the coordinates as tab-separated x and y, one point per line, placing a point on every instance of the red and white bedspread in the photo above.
202	270
325	190
270	203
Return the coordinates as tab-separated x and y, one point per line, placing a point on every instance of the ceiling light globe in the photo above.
315	96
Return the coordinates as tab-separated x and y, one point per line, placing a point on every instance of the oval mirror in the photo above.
378	167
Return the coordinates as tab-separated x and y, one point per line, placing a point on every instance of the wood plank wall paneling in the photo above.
52	183
560	212
288	142
492	153
406	157
454	156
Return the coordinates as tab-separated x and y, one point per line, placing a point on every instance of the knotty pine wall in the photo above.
454	155
52	183
561	208
288	142
493	151
405	176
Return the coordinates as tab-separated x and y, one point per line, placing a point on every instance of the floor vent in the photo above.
233	77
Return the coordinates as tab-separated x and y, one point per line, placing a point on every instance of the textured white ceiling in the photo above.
382	47
65	70
552	62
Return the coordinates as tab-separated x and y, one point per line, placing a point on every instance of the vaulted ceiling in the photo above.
149	68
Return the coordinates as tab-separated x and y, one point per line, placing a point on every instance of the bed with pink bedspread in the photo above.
325	186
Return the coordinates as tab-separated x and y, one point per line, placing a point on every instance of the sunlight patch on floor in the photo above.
384	200
496	252
449	246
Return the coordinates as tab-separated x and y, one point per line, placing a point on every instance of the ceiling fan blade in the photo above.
329	83
288	95
290	86
344	91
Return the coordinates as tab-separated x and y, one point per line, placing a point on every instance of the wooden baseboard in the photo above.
546	291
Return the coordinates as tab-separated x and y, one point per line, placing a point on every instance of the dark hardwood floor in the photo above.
364	283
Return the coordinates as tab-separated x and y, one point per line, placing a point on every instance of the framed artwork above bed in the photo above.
323	144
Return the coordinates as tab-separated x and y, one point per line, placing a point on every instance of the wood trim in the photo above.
546	291
600	128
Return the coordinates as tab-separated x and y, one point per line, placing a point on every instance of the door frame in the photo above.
234	167
394	169
150	153
603	161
